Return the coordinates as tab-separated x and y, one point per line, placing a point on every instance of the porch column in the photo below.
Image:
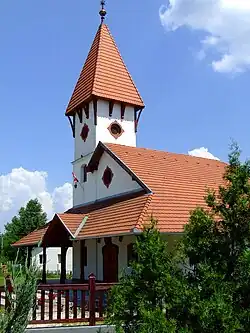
44	277
29	256
63	264
82	259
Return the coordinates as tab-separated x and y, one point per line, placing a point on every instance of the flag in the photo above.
75	180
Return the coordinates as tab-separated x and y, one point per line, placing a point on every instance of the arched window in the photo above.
83	173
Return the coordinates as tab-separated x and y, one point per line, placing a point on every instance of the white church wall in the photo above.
95	258
81	147
80	194
92	259
53	262
100	132
121	183
94	189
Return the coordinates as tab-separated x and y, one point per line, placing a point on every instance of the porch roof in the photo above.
117	219
34	238
116	216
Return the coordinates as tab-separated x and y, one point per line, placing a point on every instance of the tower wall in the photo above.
101	131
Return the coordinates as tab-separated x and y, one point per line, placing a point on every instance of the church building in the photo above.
117	186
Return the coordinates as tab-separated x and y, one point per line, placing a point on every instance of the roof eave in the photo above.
71	111
103	236
25	244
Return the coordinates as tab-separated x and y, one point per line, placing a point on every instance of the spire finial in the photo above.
102	12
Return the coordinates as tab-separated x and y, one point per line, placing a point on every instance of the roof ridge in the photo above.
113	41
145	209
164	151
97	55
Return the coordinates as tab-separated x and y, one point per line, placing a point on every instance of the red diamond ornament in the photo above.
107	177
84	132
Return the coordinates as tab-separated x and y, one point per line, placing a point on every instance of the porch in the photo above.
67	303
104	256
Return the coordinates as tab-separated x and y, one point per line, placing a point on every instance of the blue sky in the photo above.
190	103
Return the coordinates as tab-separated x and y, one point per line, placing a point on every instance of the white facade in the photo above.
95	258
91	188
94	189
53	263
100	131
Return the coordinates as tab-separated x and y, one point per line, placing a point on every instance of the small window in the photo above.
59	258
40	259
116	129
83	173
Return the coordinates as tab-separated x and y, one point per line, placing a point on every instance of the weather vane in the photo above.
103	12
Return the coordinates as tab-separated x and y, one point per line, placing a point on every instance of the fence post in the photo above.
8	292
92	299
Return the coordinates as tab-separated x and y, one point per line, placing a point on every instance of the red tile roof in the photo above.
71	221
178	181
34	238
178	184
104	75
102	218
117	219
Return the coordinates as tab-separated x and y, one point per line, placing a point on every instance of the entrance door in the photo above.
110	262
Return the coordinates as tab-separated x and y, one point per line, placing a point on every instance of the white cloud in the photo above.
202	152
226	24
20	185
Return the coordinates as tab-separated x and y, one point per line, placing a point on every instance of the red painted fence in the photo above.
69	303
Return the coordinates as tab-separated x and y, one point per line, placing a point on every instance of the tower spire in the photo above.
102	12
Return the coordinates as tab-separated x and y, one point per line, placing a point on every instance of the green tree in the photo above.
212	293
28	219
217	243
149	291
16	318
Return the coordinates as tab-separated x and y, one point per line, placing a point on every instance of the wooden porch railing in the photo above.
68	303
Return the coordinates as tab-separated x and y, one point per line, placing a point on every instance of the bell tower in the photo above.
105	104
